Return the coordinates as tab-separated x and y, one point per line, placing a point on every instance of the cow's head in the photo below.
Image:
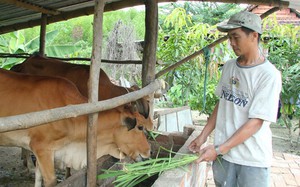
131	140
135	109
142	103
121	132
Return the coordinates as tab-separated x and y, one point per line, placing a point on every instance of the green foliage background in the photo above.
284	52
183	29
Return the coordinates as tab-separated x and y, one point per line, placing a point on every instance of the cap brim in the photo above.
228	27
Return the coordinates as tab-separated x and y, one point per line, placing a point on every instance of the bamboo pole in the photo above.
93	88
195	54
32	119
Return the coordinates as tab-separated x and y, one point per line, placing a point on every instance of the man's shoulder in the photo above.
230	62
270	68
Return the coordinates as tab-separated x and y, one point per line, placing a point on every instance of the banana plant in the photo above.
15	43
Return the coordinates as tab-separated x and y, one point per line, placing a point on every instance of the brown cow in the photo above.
79	75
119	132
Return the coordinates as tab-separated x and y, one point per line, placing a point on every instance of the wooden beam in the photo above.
32	119
30	6
124	4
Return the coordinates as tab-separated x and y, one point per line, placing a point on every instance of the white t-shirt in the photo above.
248	92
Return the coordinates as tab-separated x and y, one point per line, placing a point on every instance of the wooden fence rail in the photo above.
32	119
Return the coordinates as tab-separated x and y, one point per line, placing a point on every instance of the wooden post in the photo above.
149	55
93	94
43	34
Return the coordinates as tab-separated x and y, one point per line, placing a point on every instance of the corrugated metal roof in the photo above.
14	12
19	14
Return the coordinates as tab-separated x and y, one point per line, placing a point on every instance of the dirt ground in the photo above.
14	174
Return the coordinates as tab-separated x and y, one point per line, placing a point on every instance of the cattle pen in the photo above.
46	12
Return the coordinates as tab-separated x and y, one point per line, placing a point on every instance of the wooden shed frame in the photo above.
94	106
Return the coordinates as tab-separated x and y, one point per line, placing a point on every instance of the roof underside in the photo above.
20	14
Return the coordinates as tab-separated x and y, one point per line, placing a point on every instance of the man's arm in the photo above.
209	127
242	134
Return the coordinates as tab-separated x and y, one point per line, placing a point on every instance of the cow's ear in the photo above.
143	107
131	107
130	123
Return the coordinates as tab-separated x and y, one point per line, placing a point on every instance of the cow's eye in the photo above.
140	127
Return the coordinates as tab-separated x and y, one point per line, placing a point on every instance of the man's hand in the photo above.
207	154
194	146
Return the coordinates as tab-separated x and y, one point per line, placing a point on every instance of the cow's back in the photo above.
37	65
79	75
35	93
20	93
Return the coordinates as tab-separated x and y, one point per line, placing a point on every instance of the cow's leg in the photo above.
29	162
38	176
45	163
68	172
23	156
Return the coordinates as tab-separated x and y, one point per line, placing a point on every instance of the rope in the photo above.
207	60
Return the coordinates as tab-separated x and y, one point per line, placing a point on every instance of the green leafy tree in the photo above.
128	17
284	48
194	82
199	11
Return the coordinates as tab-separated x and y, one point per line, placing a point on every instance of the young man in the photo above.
248	93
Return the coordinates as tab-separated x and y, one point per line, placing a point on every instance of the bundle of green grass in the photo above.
134	173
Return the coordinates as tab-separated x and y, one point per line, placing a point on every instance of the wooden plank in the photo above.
164	111
78	178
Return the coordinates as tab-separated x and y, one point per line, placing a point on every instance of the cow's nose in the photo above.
139	158
144	159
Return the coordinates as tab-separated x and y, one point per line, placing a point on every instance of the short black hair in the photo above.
248	31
